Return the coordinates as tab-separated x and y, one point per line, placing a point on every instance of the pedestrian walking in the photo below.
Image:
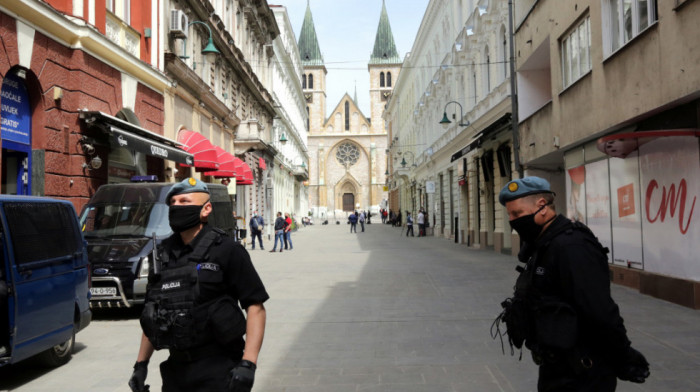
361	219
409	224
280	224
421	223
256	227
353	221
196	283
384	216
287	231
562	310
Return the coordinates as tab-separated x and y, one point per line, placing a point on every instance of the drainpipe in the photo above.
514	95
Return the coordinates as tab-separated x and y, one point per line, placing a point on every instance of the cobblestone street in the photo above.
377	311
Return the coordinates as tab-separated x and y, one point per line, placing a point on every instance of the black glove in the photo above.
242	377
138	377
634	367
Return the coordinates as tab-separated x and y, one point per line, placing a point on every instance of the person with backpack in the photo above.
256	227
353	221
562	310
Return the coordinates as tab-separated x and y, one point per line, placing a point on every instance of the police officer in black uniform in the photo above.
192	309
562	309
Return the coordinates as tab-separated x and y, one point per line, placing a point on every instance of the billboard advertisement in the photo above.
670	188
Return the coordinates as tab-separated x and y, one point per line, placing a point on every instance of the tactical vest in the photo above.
538	321
171	317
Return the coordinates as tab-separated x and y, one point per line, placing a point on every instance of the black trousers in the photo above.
256	233
209	374
561	376
409	229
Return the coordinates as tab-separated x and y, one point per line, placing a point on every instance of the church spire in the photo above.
308	42
384	47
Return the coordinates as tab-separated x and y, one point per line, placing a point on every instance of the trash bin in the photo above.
242	233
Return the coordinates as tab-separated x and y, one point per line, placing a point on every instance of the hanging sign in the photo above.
15	112
430	187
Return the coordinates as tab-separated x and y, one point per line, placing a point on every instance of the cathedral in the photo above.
347	149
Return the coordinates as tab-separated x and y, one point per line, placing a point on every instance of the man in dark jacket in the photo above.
280	224
353	222
572	326
256	227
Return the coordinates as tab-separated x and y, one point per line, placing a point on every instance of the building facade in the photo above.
82	96
347	150
290	170
222	95
457	74
609	110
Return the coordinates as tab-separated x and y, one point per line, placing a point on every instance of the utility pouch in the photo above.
556	324
226	320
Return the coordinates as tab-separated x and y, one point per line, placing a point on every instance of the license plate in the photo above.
103	291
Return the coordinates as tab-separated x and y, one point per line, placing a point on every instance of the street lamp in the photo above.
446	121
283	138
210	50
403	160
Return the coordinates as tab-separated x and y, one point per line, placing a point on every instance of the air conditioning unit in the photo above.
178	24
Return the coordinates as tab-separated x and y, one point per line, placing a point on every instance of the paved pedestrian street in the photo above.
377	311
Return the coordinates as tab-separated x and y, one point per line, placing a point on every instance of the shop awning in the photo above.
494	129
261	163
135	138
227	164
205	155
622	144
473	145
244	175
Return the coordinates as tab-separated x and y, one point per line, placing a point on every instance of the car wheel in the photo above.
59	354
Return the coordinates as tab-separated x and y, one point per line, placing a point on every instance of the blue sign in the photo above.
15	114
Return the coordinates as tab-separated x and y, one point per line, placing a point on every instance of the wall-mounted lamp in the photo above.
210	50
403	160
283	138
386	173
95	163
446	121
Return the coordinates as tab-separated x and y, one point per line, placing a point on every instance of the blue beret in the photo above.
523	187
190	185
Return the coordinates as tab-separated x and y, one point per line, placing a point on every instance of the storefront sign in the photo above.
430	187
15	111
670	207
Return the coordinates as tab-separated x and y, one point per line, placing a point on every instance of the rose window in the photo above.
347	154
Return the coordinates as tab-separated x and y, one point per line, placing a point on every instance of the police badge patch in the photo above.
208	267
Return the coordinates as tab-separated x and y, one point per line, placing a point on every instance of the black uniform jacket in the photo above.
571	265
228	269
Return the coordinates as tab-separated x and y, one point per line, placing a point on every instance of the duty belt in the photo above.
195	354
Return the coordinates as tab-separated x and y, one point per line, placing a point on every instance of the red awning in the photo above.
205	155
622	144
227	164
244	175
261	163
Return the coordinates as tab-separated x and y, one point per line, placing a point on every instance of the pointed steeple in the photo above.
355	97
308	42
384	47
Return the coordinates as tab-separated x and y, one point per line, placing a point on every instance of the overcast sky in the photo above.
346	30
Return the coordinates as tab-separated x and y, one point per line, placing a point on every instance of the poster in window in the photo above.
576	190
598	201
670	191
626	213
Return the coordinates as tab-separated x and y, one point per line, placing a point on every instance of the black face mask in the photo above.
184	217
526	227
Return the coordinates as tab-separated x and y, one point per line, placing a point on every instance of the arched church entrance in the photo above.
348	202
